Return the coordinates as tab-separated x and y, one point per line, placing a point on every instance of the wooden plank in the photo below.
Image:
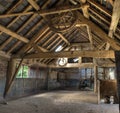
13	34
72	54
34	4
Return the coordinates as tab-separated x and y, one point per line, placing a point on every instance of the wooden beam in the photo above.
11	23
17	14
71	54
99	32
89	35
100	7
115	16
3	55
59	10
44	12
85	11
34	4
74	65
39	48
21	28
79	44
10	71
115	20
11	75
61	36
13	34
33	40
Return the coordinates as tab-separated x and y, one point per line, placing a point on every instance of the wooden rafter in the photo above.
43	12
61	36
12	9
98	6
89	34
17	14
39	48
99	32
71	54
13	34
34	4
33	40
11	23
24	25
26	47
79	44
51	43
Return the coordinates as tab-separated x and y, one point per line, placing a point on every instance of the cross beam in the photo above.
44	12
70	54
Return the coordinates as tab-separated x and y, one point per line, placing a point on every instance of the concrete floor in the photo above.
59	102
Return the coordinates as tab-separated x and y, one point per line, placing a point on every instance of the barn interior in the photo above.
59	56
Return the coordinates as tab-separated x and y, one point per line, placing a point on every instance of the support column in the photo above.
117	60
95	79
98	88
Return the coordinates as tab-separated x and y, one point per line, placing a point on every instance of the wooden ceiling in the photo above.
25	31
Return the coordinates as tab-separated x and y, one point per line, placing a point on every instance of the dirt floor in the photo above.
59	102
